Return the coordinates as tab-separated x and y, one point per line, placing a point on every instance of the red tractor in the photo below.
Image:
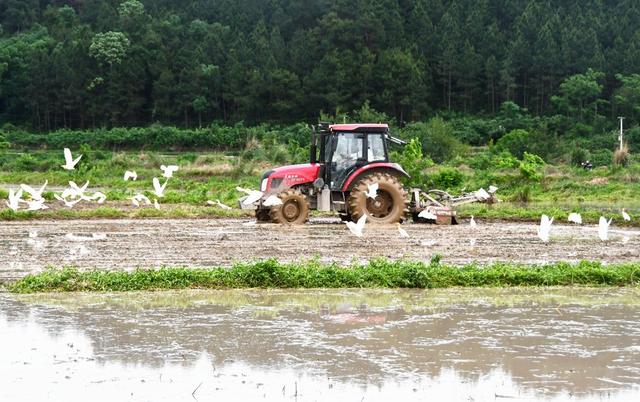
345	160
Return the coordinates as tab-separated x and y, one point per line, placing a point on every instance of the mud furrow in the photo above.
127	244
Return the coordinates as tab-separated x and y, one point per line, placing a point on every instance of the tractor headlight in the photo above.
263	185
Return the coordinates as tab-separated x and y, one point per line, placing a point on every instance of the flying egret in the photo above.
97	196
403	233
130	175
14	199
603	228
472	222
575	218
76	191
625	215
356	228
70	163
219	204
482	194
168	170
66	202
158	189
252	195
36	205
372	191
272	201
545	228
35	194
426	214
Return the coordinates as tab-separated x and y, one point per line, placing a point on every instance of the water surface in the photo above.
456	344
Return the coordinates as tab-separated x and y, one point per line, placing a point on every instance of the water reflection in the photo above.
534	343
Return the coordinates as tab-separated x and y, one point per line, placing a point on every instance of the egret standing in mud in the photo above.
575	218
356	228
625	215
403	233
545	228
472	222
603	228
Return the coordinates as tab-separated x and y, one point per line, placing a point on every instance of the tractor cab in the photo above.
346	148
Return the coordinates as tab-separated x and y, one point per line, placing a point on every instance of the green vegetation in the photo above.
312	274
95	63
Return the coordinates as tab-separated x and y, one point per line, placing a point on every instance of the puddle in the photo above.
361	345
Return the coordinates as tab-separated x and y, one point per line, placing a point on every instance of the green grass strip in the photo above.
312	274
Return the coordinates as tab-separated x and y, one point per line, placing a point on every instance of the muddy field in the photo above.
125	244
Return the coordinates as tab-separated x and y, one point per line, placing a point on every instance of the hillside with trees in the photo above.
92	63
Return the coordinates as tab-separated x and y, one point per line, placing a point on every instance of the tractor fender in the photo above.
386	167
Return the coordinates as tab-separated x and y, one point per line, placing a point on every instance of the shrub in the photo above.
601	157
447	178
414	162
437	139
621	156
579	155
517	142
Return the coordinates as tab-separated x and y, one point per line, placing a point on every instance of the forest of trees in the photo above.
93	63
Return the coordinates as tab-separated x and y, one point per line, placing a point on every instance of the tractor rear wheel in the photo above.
294	209
390	204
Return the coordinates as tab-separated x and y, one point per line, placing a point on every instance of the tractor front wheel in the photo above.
390	204
294	209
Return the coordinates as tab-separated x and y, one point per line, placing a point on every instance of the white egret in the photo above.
66	202
252	195
158	189
272	201
472	222
35	194
403	233
138	198
492	189
603	228
219	204
625	215
372	191
70	163
356	228
156	205
426	214
545	228
130	175
75	190
36	205
168	170
97	196
482	194
14	199
575	218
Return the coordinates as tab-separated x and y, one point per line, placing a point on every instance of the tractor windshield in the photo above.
375	148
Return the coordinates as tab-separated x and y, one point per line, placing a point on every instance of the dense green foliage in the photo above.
311	274
94	63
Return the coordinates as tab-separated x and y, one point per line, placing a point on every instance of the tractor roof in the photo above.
359	127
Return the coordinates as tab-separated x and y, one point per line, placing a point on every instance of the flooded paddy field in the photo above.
576	344
31	246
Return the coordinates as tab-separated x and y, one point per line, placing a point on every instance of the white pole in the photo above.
621	136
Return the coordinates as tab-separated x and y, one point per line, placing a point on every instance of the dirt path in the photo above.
127	244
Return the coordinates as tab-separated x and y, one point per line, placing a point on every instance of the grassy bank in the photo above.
311	274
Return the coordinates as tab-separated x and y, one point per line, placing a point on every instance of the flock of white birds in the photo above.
75	193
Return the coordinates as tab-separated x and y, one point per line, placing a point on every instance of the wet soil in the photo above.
326	345
29	247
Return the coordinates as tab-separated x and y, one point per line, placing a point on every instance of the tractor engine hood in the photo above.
289	176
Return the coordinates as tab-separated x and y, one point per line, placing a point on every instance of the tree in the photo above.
109	47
